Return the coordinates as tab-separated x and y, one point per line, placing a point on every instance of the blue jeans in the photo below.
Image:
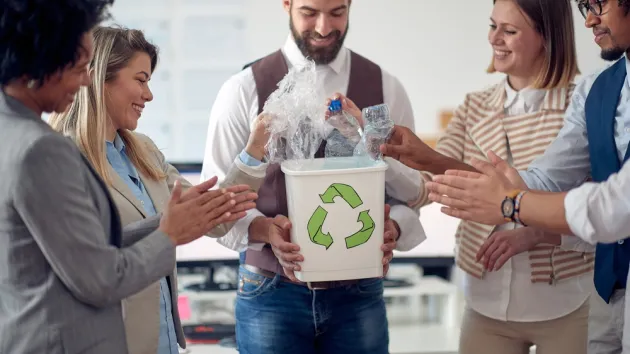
274	316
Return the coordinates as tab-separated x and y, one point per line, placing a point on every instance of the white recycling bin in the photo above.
336	207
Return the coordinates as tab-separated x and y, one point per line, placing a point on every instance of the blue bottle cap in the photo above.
335	105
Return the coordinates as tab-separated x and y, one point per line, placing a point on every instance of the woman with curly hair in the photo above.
65	261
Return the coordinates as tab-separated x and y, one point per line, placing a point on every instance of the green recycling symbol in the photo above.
350	196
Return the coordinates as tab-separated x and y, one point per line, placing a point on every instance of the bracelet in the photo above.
517	208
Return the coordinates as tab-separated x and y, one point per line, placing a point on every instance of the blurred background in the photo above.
438	50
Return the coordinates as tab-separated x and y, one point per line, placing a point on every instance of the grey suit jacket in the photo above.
63	270
141	310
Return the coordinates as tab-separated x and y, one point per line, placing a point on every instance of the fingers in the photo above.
461	183
385	270
176	194
484	167
503	259
388	208
463	174
487	245
207	185
239	188
396	152
492	258
448	201
457	213
387	257
290	274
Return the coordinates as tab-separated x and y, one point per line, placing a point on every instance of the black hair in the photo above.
41	37
623	3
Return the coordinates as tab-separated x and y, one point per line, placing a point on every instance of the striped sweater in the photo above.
480	125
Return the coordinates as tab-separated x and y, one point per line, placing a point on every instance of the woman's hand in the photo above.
190	216
259	137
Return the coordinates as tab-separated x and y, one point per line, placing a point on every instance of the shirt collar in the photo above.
530	96
118	143
296	58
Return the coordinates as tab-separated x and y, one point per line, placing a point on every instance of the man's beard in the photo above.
320	55
612	54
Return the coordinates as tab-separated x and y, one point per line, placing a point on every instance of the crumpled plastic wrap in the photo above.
299	124
378	129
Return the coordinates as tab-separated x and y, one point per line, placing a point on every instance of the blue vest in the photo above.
611	260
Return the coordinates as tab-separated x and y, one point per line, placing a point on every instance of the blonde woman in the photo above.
533	288
102	120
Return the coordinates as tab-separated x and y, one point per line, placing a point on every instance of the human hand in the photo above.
277	232
508	171
470	195
348	106
259	137
505	244
405	146
186	221
390	237
244	198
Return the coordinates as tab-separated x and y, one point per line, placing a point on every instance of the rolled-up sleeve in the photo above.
601	212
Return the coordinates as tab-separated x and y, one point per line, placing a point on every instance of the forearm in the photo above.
442	163
544	211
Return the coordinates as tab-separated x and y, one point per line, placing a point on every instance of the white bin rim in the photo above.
329	166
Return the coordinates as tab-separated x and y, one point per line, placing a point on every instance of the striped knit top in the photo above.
480	125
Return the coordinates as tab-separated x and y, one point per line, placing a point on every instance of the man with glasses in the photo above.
593	144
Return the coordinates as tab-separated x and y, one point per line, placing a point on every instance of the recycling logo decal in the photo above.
350	196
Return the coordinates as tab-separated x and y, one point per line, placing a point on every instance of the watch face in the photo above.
507	207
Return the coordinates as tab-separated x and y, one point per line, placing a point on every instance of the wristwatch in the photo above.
508	206
511	206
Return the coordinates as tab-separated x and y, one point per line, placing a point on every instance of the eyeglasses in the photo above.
594	7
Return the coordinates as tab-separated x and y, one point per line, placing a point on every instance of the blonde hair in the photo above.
87	118
553	19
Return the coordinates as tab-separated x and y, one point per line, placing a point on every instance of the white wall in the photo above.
438	49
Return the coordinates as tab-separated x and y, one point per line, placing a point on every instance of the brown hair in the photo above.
86	119
553	19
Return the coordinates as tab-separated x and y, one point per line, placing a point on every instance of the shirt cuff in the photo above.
248	160
237	238
576	213
257	171
411	231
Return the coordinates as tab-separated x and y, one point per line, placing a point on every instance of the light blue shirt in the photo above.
120	162
566	162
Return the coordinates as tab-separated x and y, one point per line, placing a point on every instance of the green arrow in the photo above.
363	235
344	191
315	228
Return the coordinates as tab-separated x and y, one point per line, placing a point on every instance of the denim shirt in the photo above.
120	162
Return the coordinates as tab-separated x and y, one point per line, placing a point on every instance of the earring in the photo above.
31	84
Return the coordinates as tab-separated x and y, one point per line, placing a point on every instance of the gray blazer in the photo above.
63	272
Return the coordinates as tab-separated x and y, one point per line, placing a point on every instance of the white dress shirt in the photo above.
508	293
600	212
236	107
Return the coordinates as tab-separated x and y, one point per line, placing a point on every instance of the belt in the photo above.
313	285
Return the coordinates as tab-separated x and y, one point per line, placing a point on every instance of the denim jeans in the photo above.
274	316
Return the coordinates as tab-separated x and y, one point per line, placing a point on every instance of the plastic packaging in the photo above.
378	129
299	124
346	133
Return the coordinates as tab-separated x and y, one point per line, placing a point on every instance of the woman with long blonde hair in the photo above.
101	120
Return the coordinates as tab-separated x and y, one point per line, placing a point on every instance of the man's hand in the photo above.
389	240
505	244
259	137
508	171
277	232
